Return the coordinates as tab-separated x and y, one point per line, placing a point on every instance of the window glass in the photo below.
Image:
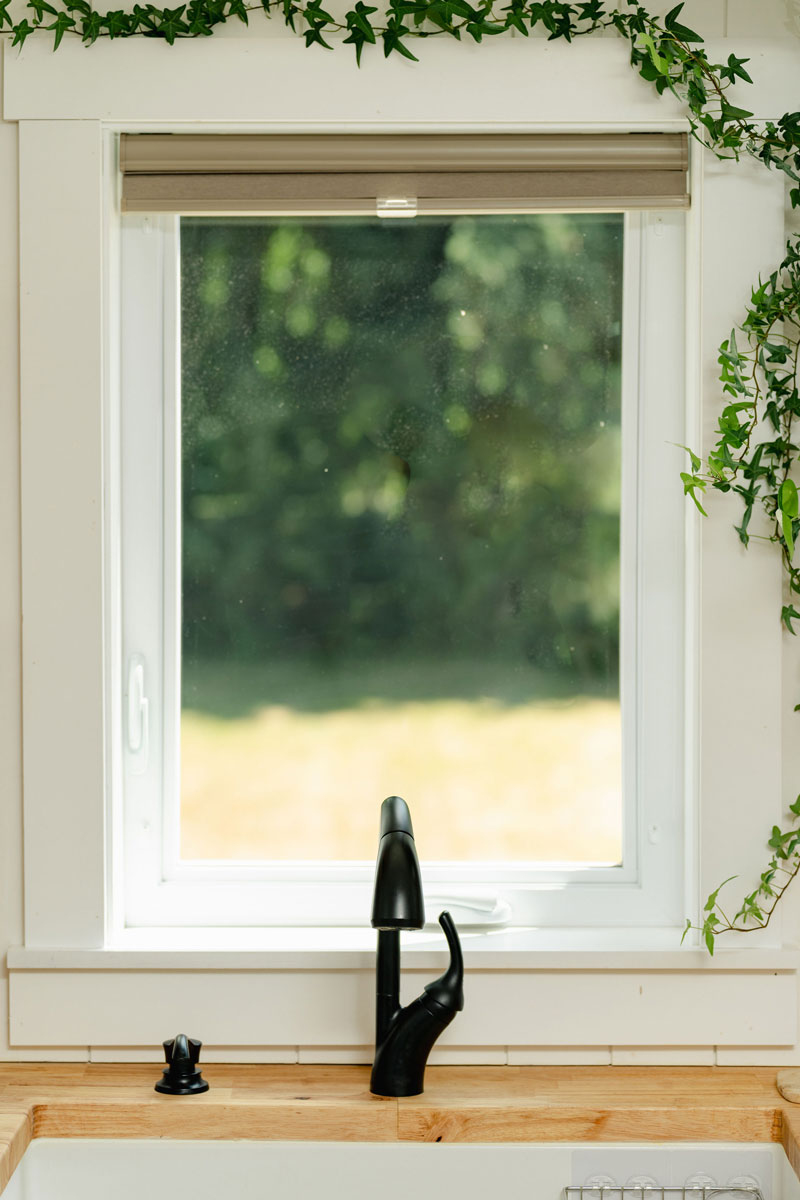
401	536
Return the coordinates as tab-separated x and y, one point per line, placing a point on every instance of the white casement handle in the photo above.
475	911
138	715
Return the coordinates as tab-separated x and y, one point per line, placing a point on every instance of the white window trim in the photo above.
64	103
647	890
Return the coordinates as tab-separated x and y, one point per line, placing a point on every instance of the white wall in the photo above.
10	708
732	18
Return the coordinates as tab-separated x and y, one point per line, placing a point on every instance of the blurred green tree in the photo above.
403	438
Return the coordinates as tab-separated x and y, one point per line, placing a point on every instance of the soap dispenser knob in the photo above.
181	1076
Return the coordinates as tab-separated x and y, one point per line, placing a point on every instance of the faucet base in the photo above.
392	1091
399	1067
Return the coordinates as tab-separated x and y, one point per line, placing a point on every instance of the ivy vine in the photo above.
759	377
753	456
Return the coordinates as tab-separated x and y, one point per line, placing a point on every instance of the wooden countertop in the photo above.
466	1104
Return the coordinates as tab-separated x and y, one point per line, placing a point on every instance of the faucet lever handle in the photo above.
448	989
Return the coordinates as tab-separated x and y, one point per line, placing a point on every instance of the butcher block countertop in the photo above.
460	1104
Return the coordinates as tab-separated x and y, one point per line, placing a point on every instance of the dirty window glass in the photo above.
401	536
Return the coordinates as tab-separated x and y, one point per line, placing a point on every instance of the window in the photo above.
401	533
80	979
400	462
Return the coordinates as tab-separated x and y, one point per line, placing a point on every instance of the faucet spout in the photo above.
404	1036
397	901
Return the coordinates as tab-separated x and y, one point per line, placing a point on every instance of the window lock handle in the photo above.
138	715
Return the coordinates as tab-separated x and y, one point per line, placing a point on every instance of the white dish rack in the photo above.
609	1191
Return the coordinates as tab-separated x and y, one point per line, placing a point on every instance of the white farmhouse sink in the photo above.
89	1169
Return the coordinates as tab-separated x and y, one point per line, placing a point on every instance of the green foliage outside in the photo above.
403	438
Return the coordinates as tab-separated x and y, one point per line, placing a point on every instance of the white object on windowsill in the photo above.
472	912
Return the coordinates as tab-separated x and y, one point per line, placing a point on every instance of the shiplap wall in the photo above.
731	18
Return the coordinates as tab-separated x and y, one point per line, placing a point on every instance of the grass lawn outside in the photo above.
291	761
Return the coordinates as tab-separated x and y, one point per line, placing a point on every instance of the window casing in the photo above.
78	980
647	889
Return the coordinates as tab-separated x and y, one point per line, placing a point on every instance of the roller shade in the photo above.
395	174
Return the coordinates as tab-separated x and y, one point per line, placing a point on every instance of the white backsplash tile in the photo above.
335	1055
468	1056
559	1056
209	1054
656	1056
755	1056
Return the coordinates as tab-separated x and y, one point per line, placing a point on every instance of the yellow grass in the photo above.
484	780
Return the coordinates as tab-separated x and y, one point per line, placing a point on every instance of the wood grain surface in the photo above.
460	1104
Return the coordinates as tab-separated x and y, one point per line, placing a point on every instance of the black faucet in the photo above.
404	1036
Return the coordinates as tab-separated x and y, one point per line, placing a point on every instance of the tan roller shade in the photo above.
359	173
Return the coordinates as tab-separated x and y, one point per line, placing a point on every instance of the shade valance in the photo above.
359	173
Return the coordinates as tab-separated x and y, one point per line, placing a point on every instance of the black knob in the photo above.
181	1076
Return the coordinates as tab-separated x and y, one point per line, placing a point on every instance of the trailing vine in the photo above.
753	456
760	380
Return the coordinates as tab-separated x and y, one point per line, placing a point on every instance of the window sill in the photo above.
320	949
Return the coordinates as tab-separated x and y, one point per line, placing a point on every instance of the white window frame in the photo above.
647	889
71	984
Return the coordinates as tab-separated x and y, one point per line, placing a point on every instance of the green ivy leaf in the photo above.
392	42
39	8
680	31
313	37
358	39
117	23
788	614
172	23
22	30
735	69
659	62
91	28
691	485
695	460
788	500
62	23
729	112
712	899
779	839
741	530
